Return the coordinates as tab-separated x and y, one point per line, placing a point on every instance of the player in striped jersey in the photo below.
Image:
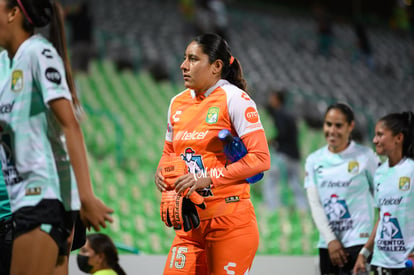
339	185
392	239
41	147
5	228
227	238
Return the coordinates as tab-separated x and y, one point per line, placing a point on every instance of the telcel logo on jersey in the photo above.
194	135
335	184
390	201
6	108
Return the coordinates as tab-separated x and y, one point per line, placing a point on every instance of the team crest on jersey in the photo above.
17	81
212	115
404	184
353	167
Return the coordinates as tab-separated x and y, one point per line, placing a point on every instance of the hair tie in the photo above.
231	60
24	11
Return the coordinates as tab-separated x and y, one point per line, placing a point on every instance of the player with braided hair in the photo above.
46	170
221	234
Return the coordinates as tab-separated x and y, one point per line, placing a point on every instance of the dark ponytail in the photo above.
408	144
58	39
217	48
39	13
235	75
101	243
402	123
118	269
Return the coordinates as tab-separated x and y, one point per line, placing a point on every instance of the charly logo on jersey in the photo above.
47	53
391	238
338	214
195	166
212	115
319	169
53	75
245	96
17	81
404	183
176	116
353	167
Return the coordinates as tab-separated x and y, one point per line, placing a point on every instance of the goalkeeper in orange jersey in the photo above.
205	197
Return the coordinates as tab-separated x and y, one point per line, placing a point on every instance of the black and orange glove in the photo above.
176	209
179	211
190	218
167	209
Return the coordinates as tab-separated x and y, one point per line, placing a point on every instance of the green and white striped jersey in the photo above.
345	186
394	196
33	151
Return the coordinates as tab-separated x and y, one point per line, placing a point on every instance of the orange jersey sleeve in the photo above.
255	161
167	151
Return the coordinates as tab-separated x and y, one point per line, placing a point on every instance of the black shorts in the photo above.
377	270
5	245
328	268
51	217
79	237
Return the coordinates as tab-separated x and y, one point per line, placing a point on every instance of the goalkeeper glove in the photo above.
179	211
172	168
167	209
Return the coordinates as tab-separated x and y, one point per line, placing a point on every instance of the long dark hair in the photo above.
217	48
402	123
39	13
101	243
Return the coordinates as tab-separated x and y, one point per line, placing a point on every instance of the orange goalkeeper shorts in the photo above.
221	245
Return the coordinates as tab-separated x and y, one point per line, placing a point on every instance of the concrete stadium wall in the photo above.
154	265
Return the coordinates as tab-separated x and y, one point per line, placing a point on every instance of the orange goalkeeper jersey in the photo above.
192	133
